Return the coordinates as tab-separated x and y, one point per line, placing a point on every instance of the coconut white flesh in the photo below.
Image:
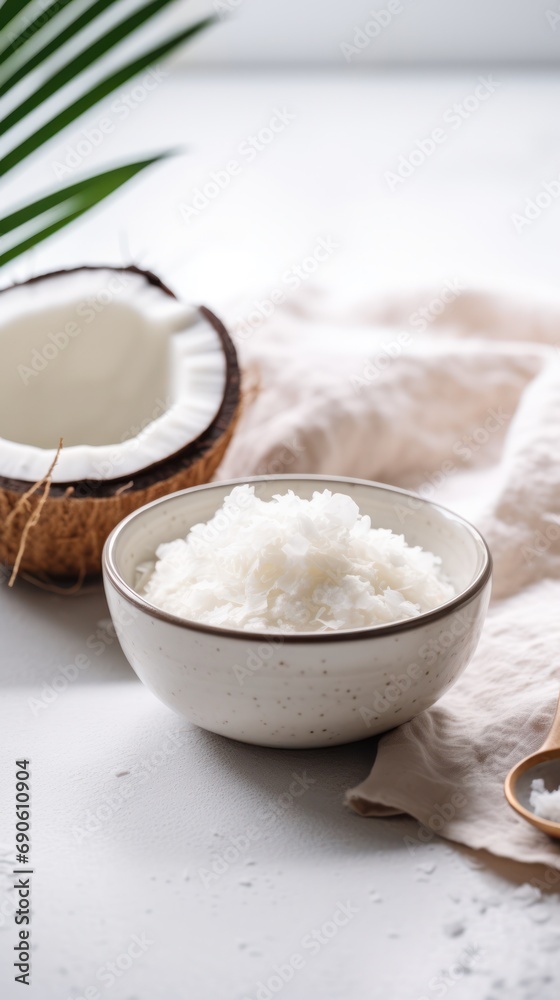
293	565
120	370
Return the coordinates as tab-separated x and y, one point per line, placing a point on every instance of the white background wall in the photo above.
423	31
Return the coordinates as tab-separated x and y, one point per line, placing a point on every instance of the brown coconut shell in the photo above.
76	517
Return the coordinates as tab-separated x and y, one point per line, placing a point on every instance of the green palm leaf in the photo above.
71	201
81	62
9	9
55	43
48	214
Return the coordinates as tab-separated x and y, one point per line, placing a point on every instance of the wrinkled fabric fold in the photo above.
467	412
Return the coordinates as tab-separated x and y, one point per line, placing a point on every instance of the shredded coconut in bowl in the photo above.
293	565
545	804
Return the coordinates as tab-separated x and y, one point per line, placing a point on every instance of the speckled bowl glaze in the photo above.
306	690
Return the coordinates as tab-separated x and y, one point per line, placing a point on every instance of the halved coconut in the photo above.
143	390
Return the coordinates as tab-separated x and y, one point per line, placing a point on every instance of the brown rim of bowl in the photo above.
371	631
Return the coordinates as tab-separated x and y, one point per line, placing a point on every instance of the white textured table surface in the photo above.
132	808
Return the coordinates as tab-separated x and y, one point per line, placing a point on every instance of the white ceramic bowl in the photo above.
305	690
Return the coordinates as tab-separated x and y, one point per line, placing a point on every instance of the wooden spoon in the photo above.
545	764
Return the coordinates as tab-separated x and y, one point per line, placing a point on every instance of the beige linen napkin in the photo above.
464	406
